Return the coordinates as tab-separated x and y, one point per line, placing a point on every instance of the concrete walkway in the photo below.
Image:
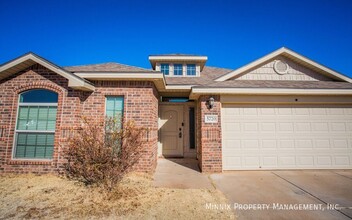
288	187
181	173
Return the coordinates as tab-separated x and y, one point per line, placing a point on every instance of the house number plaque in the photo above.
210	119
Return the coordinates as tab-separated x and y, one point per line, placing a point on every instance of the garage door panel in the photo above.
268	127
307	160
267	111
324	161
322	144
338	126
285	127
301	111
287	161
233	162
250	144
318	111
349	126
251	161
286	137
269	144
340	143
320	126
286	143
303	144
336	111
249	111
303	126
235	145
342	160
284	111
250	127
269	161
348	111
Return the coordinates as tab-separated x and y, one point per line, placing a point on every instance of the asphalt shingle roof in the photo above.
107	67
207	76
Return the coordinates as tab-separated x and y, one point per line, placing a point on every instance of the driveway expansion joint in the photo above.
212	182
309	193
342	175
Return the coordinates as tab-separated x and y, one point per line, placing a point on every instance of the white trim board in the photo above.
73	81
195	92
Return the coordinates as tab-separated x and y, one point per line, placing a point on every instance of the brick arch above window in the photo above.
41	85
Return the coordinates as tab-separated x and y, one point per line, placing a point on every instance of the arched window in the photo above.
36	122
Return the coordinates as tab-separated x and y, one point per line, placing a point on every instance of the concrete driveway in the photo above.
280	193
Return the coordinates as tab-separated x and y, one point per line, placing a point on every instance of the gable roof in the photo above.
18	64
108	67
290	55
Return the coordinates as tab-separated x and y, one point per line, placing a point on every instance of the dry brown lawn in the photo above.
29	196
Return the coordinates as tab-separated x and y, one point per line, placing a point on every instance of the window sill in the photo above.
30	162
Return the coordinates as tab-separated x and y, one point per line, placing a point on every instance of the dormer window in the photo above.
164	68
178	69
191	69
178	65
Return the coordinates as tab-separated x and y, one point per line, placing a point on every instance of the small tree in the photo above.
102	152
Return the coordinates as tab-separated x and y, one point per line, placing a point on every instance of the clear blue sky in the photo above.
230	33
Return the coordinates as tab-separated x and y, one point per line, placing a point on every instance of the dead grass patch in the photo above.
29	196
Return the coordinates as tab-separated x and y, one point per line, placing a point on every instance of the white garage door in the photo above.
286	137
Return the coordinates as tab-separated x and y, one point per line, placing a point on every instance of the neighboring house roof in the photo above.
108	67
21	63
290	55
207	76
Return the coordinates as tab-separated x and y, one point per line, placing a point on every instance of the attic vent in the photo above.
281	67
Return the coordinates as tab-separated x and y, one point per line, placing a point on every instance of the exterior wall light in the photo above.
210	102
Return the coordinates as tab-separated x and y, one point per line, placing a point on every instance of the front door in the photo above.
171	128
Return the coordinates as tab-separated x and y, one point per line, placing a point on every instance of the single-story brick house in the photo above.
282	111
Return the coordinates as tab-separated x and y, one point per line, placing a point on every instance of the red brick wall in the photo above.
140	105
140	99
209	136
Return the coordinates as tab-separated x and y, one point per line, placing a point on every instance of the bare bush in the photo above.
102	152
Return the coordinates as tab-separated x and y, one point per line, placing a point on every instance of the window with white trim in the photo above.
178	69
36	121
164	68
191	69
